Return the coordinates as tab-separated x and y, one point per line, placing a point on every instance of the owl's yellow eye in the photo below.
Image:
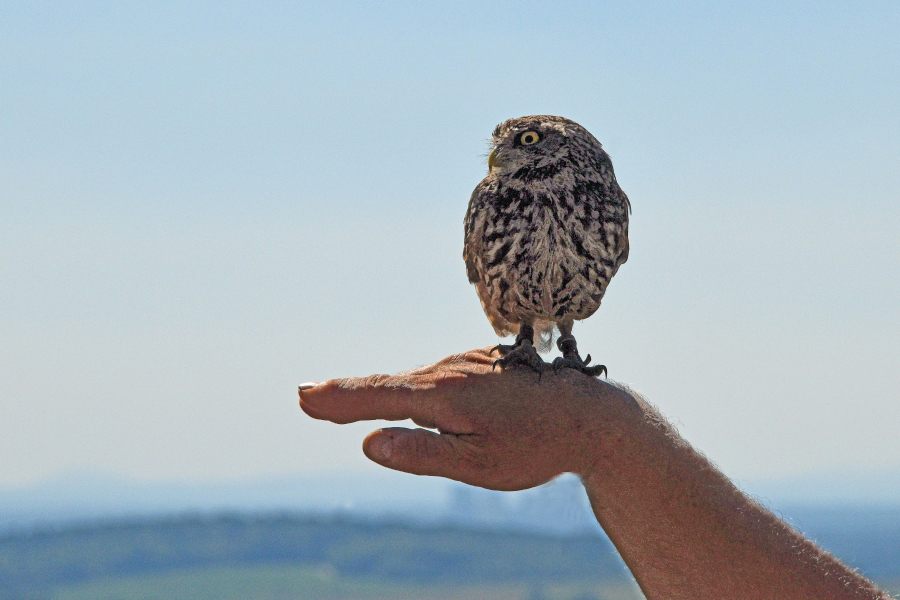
529	137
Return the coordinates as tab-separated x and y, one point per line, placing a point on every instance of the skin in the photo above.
681	526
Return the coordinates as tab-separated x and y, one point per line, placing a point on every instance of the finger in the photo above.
420	452
376	397
422	396
478	356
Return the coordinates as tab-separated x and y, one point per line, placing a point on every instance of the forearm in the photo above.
685	531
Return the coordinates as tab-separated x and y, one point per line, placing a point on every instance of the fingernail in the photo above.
308	385
381	447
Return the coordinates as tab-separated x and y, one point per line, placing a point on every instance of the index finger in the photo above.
363	399
421	395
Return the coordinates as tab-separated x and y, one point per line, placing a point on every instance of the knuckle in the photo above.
357	383
465	451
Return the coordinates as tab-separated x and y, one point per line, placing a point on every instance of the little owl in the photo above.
544	233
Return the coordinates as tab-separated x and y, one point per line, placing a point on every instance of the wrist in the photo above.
621	424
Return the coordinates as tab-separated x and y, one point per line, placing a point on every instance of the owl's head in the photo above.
538	146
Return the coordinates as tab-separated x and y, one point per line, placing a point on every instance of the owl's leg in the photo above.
522	352
570	358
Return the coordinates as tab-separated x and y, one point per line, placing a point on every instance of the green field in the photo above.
284	582
283	557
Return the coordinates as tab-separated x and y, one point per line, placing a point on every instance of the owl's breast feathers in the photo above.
542	244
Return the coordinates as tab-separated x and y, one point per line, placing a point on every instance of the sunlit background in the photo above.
204	205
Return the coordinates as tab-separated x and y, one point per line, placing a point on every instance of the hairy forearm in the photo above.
685	531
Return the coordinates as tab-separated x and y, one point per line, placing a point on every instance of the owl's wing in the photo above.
473	255
474	239
471	268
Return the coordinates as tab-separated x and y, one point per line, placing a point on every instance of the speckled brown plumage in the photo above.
545	232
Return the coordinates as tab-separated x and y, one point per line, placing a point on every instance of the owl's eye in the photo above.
529	137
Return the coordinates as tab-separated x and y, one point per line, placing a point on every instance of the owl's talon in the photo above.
595	370
570	358
503	349
569	363
521	354
557	365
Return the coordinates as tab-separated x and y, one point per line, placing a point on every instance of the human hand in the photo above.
503	430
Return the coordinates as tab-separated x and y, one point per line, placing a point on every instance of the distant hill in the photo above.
77	528
33	565
81	495
558	507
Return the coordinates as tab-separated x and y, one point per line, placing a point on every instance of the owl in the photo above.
545	232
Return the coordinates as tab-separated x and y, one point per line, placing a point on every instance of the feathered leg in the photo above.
522	352
570	358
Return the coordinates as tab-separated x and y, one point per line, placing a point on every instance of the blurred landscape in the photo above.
390	536
203	204
302	557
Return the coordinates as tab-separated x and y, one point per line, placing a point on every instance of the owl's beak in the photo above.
492	160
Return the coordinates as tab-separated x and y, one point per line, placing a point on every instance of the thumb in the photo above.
416	451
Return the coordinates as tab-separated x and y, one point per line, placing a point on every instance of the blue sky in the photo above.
203	206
